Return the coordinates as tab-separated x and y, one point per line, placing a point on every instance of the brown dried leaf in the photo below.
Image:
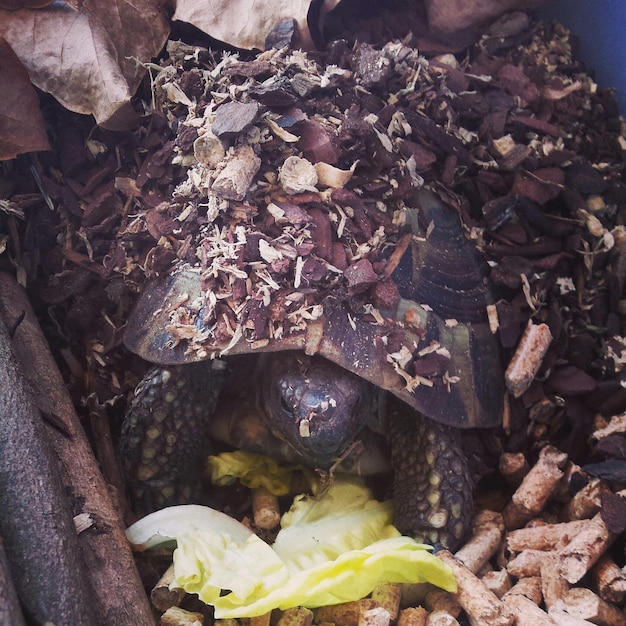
22	127
246	24
91	59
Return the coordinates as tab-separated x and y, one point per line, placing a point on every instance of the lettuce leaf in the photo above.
345	517
332	548
253	470
207	562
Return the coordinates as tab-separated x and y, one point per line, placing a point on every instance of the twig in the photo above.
116	594
36	521
10	611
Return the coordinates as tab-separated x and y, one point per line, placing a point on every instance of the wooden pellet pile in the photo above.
544	559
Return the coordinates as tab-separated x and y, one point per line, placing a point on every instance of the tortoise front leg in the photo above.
432	485
163	440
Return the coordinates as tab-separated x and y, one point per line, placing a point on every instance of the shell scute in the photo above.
435	351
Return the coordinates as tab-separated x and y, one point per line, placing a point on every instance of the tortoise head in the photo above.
317	407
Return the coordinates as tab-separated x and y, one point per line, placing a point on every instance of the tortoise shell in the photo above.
432	347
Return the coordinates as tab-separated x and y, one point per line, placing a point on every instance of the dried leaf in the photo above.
246	24
91	59
612	469
22	127
612	447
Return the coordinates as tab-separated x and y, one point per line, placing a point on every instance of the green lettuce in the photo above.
332	548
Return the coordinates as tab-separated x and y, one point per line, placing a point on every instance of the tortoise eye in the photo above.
285	406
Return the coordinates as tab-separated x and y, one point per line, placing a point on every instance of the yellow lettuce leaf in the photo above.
258	581
253	470
332	548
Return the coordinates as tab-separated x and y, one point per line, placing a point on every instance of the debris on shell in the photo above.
298	175
208	149
234	181
233	118
331	176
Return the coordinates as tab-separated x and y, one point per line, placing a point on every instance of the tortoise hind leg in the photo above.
163	440
432	485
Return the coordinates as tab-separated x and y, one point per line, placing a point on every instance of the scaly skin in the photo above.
432	484
163	442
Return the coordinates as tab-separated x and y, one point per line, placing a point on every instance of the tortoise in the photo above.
420	372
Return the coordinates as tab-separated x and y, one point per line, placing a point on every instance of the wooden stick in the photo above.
544	537
527	612
441	618
388	596
609	580
374	617
480	604
261	620
413	616
562	618
580	554
161	596
525	564
346	613
106	456
527	358
298	616
10	610
528	587
442	601
117	592
487	530
414	594
36	521
585	604
536	488
513	466
265	509
175	616
586	502
497	581
553	585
